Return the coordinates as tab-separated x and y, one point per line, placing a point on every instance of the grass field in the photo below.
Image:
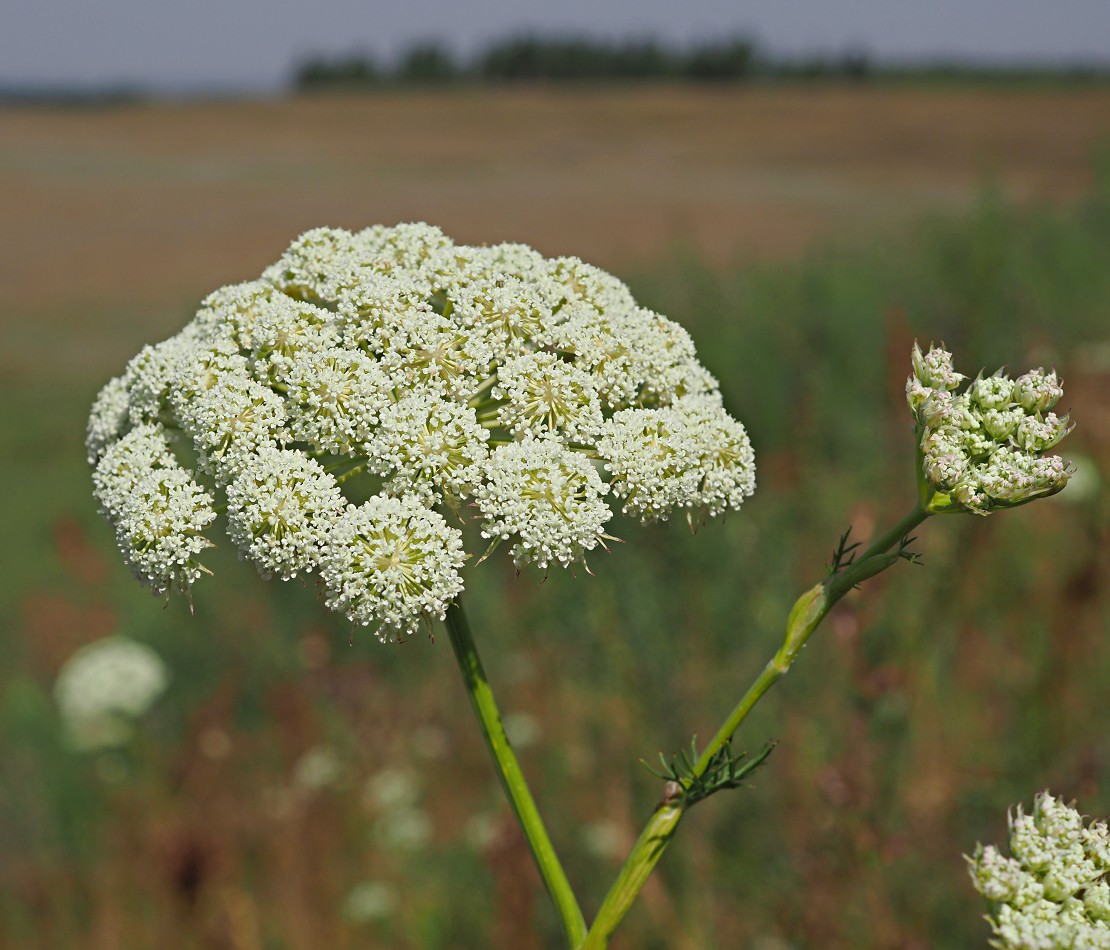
805	236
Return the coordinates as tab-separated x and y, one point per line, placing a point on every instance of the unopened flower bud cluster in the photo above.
1052	893
985	448
453	381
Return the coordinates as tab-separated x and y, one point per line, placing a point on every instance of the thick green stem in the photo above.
633	875
805	616
886	541
512	778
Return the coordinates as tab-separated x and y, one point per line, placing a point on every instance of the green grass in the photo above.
929	702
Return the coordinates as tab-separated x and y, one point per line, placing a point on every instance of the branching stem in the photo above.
808	612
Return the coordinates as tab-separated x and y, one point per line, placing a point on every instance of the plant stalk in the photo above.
805	616
512	778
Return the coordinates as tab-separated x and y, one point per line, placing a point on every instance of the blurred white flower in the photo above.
370	900
523	729
605	839
391	788
104	687
404	829
318	768
481	830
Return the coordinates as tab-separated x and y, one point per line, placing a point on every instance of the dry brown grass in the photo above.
151	204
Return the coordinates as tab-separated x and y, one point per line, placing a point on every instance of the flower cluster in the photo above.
437	378
104	687
1053	893
984	448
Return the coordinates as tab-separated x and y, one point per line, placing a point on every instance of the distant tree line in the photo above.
580	59
568	59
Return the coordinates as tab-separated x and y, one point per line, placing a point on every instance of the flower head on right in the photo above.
987	447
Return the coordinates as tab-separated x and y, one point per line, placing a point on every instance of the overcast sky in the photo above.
253	44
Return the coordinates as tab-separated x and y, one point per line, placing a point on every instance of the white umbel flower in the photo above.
369	316
230	422
429	350
281	511
232	311
215	359
690	454
543	395
158	511
653	462
507	310
334	398
425	442
1053	892
664	360
320	264
284	328
160	529
597	345
395	365
153	372
393	563
109	419
581	282
546	496
517	260
125	462
408	245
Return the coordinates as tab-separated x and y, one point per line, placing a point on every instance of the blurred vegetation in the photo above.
558	59
580	58
303	786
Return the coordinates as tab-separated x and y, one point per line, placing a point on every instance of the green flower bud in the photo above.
916	393
1001	423
972	498
934	369
982	449
945	471
994	392
1035	434
1037	391
941	409
1096	901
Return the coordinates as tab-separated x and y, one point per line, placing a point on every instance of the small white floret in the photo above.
393	563
547	497
281	511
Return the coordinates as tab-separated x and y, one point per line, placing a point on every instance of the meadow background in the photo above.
302	786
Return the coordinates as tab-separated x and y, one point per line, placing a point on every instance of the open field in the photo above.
805	236
152	204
